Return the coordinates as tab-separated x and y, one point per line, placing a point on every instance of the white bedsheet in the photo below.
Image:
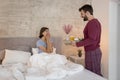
82	75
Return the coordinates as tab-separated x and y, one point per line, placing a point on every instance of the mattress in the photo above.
82	75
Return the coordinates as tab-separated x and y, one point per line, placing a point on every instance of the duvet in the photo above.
52	66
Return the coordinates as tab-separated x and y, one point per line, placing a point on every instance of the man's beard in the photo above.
85	18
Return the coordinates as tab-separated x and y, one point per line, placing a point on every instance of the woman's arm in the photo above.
49	47
42	48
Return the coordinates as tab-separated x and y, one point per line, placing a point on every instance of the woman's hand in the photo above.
47	36
48	42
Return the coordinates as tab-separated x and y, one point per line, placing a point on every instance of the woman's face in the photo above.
46	32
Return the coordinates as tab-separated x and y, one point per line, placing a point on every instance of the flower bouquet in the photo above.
67	29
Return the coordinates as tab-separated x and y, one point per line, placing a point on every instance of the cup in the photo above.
72	38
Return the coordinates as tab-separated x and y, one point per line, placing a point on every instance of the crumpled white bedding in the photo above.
51	66
12	71
43	67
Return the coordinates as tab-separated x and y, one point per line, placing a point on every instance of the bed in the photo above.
26	45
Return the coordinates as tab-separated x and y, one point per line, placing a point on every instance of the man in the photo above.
91	41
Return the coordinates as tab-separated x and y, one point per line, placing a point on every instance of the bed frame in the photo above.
15	42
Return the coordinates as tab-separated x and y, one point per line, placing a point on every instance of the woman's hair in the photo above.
88	8
41	31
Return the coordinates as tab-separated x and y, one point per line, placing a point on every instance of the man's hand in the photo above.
73	43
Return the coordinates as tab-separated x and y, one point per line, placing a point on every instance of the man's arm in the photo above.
92	36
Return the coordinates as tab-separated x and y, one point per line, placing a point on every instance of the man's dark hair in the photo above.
87	7
41	31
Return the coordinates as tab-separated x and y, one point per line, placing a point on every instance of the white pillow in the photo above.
15	56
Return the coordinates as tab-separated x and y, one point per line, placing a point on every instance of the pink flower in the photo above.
67	28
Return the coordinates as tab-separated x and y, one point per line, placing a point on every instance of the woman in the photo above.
44	44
